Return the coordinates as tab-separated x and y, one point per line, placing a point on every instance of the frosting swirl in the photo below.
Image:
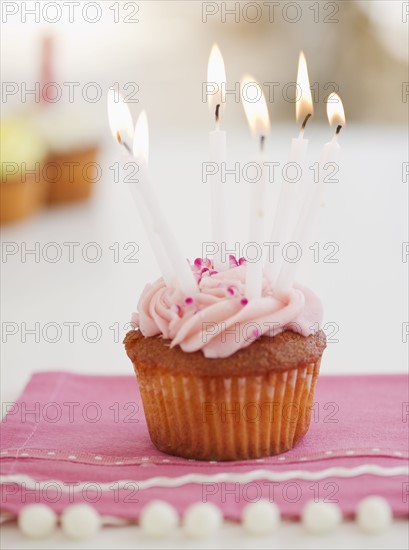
218	319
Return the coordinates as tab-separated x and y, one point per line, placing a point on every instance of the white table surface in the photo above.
288	536
365	293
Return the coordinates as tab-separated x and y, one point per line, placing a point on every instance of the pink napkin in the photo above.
73	438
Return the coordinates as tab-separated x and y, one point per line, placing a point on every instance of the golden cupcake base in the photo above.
63	178
202	409
228	418
19	199
71	176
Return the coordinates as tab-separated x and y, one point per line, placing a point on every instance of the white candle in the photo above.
255	107
162	259
183	276
217	146
254	269
285	211
290	190
216	77
174	267
314	200
121	124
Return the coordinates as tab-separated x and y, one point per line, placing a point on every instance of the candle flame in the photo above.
216	77
304	105
335	110
119	118
141	138
255	106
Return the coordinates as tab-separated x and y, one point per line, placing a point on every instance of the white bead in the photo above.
158	519
80	521
373	514
37	520
260	518
202	520
320	517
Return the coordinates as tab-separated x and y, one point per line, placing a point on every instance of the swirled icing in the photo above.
218	319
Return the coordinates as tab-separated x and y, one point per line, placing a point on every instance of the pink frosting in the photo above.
218	319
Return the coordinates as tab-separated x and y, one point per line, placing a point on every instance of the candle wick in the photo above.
339	128
216	113
121	142
262	141
127	147
304	124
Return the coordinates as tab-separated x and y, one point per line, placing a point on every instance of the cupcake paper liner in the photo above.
227	418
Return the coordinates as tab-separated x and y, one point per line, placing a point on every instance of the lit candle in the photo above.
140	195
314	200
216	75
259	122
120	120
174	267
289	198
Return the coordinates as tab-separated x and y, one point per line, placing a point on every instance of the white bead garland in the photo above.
320	517
373	514
80	521
260	518
37	520
158	519
202	520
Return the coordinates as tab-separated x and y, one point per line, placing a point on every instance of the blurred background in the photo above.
163	47
156	53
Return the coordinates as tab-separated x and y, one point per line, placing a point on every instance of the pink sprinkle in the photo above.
242	261
204	270
189	300
232	260
213	272
198	262
256	332
231	290
244	301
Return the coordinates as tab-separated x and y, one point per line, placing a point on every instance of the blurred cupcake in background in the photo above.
48	149
71	169
23	152
23	189
71	134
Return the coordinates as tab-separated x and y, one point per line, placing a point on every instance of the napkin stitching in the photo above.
238	477
52	396
69	455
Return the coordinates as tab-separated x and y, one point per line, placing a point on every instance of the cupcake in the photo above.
71	168
221	377
23	151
